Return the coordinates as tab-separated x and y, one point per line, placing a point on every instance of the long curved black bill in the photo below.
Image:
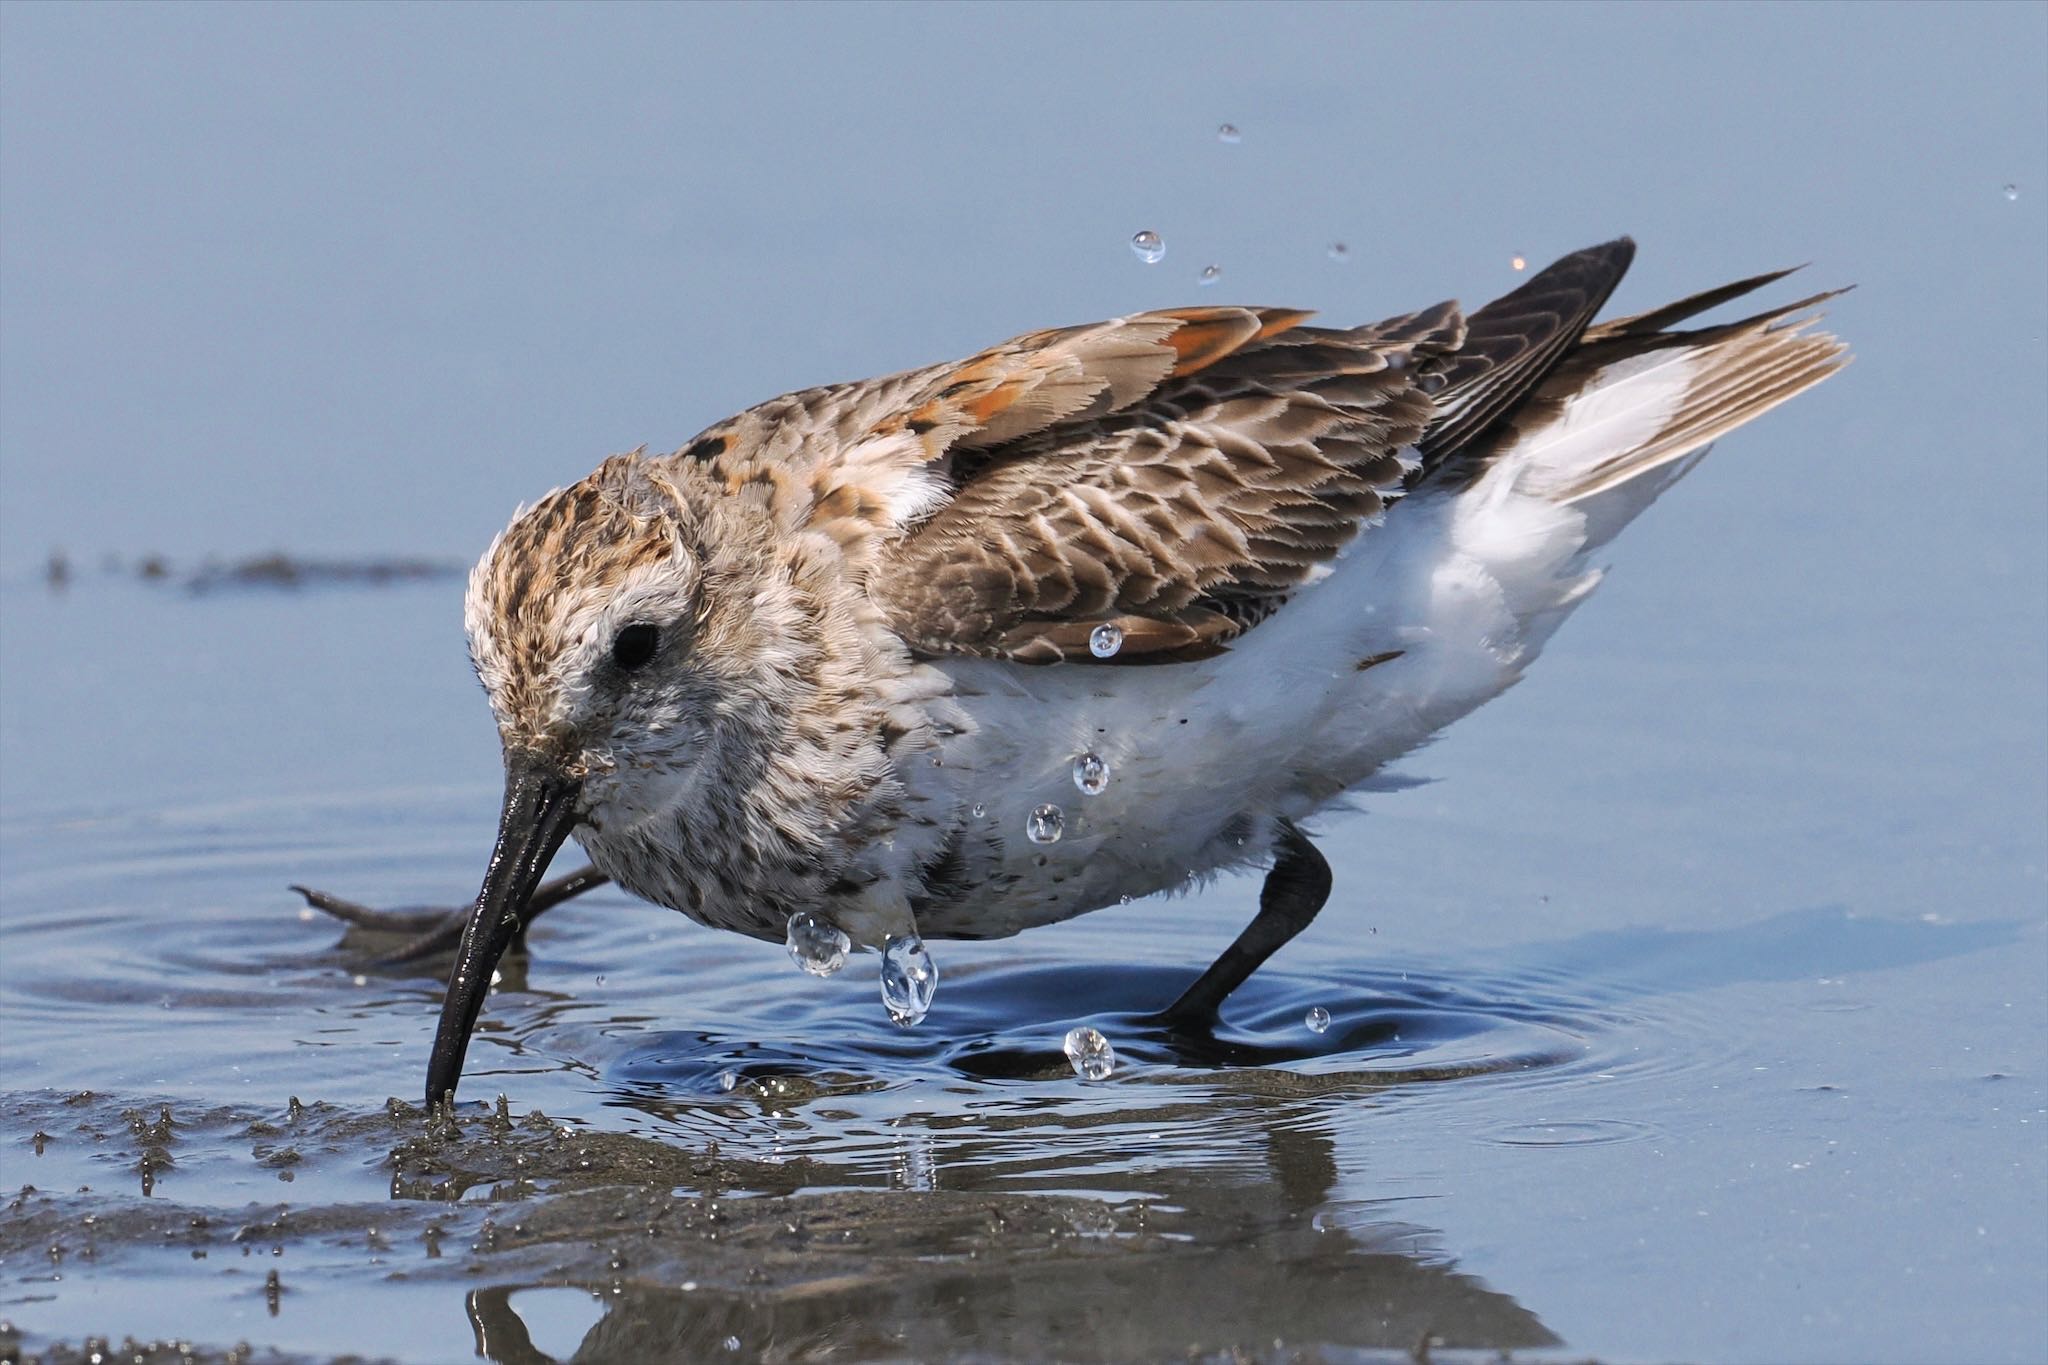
539	812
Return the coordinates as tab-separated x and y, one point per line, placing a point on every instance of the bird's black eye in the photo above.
634	645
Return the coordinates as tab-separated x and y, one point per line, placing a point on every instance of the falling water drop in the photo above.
1091	774
2011	191
1105	640
817	944
909	980
915	1167
1045	824
1317	1019
1339	252
1210	274
1227	132
1092	1056
1149	247
978	811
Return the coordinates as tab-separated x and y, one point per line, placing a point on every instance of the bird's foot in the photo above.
391	937
418	933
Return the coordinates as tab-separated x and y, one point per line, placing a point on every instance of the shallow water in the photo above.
1516	1108
1698	1011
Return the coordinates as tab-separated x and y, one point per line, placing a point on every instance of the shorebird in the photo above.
1095	612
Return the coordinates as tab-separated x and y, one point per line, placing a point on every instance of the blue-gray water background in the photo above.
357	280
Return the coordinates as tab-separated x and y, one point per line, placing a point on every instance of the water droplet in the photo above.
816	944
2011	191
1045	824
600	978
1091	1054
727	1081
1317	1019
360	979
731	1343
1210	274
1519	264
1149	247
1091	774
979	812
909	980
915	1167
1105	640
1339	252
1227	132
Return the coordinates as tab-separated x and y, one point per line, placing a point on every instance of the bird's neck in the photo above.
806	787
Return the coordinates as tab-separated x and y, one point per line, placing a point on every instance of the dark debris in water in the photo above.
278	569
156	1351
288	571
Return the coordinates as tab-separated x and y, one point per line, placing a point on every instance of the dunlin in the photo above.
983	646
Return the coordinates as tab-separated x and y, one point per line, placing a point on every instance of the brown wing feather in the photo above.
1073	374
865	461
1179	473
1181	516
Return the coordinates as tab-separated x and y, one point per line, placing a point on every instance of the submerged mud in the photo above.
691	1254
277	569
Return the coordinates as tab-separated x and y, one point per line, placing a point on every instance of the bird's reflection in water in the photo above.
976	1253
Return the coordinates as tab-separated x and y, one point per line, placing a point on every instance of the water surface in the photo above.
1697	1011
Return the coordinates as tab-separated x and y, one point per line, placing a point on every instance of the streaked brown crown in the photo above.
545	578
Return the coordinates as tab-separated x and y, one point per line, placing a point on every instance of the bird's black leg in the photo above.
437	929
1295	890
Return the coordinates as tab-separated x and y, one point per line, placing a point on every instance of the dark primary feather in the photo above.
1657	319
1513	342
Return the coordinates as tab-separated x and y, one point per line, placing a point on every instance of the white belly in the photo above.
1203	757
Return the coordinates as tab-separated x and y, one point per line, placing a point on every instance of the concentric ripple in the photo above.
984	1096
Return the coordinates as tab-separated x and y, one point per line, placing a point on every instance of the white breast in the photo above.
1203	757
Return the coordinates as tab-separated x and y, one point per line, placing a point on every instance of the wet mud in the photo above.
689	1254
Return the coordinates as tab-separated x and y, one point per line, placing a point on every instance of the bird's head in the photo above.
617	626
586	620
